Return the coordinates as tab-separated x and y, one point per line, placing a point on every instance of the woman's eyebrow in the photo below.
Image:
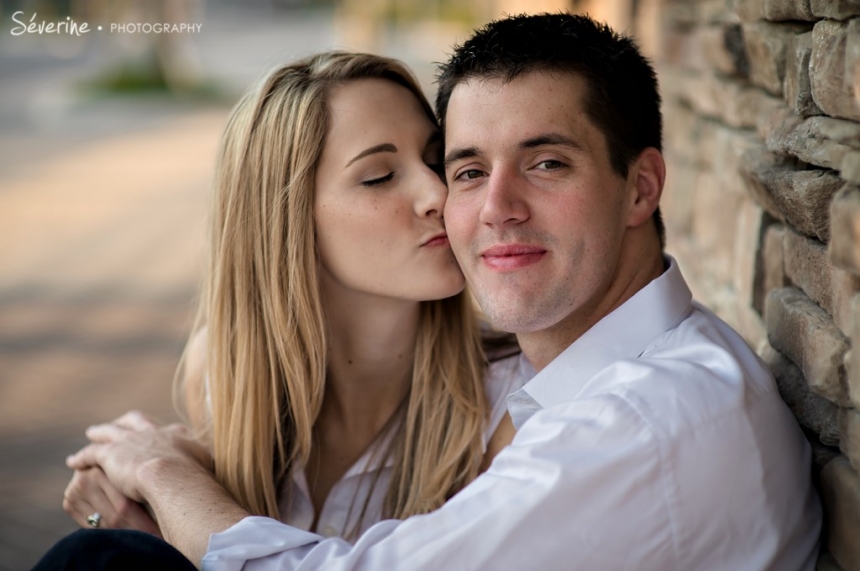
383	148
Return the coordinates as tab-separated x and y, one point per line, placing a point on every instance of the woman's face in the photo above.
379	200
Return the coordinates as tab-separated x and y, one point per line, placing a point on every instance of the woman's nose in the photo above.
432	193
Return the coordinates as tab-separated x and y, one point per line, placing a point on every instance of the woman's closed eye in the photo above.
378	181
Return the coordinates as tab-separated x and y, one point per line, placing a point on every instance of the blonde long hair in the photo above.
266	342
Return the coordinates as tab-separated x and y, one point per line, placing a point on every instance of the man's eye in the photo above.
550	164
470	174
378	181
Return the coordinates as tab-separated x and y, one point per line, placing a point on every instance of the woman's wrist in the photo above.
158	476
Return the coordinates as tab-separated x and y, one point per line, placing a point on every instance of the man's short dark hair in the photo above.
622	97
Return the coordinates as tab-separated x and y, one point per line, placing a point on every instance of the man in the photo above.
650	436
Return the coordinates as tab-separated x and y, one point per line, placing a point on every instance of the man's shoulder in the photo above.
695	373
699	413
713	348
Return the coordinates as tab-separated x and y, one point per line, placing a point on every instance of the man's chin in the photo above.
513	320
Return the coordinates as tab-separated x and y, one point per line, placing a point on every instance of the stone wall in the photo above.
762	205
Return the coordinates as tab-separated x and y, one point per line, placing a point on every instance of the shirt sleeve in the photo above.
580	487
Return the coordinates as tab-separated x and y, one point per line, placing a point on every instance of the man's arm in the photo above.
579	488
189	505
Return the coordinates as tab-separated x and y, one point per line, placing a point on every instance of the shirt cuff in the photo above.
253	538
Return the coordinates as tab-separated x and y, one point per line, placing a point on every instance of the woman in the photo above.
337	375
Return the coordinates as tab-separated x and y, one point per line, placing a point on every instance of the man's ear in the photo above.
645	181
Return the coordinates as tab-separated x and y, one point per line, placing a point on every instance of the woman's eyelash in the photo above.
380	180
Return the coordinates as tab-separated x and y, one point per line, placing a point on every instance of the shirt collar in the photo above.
623	334
372	460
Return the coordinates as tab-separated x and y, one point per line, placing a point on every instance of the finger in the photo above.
101	500
134	516
74	504
83	498
84	458
105	432
91	492
130	514
181	432
135	420
79	513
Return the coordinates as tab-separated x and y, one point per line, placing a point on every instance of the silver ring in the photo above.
95	519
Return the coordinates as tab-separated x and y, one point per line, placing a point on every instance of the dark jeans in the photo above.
112	550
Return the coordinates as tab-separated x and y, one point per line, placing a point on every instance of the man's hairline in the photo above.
554	71
508	77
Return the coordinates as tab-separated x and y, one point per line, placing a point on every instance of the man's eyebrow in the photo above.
383	148
551	139
458	154
539	141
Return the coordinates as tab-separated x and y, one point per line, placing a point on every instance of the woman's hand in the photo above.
91	492
124	448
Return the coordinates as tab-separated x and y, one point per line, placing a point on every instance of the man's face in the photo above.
535	214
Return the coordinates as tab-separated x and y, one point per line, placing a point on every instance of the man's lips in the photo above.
512	256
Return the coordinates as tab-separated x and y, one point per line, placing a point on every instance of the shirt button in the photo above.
329	531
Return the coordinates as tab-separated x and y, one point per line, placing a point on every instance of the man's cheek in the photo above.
457	237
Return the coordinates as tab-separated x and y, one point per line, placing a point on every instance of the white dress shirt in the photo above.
656	441
341	514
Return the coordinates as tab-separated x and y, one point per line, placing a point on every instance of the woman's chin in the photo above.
442	288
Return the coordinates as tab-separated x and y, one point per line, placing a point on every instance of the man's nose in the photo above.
503	200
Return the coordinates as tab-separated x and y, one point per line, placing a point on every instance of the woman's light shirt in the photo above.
371	474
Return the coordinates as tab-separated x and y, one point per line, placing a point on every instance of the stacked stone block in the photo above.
762	207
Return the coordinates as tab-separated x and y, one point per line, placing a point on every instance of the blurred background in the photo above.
107	140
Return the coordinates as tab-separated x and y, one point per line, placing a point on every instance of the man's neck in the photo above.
543	346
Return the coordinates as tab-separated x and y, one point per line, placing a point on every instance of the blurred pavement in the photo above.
102	220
